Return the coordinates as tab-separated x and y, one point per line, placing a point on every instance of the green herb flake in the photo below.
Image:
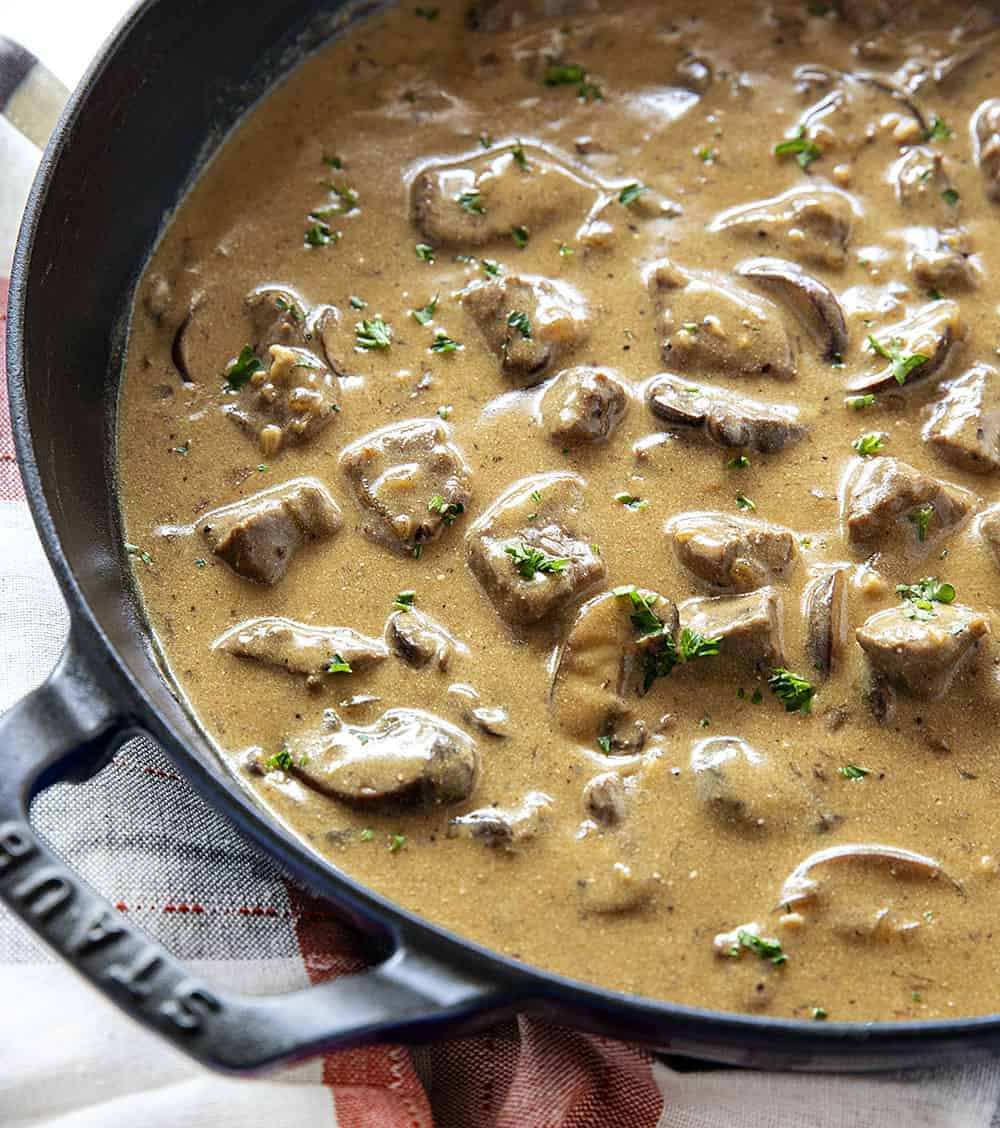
757	698
938	130
926	592
564	250
744	503
426	315
799	146
869	444
854	772
182	449
491	268
372	334
819	1014
242	368
290	308
449	511
319	233
529	561
485	140
950	197
366	835
520	235
916	997
201	563
347	196
796	693
630	501
604	743
471	201
630	193
859	403
337	665
139	553
358	303
417	551
442	343
425	252
902	365
520	321
405	600
429	14
281	761
759	945
571	74
444	411
333	162
396	843
740	462
518	154
921	518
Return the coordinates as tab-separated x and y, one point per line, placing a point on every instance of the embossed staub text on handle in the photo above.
75	922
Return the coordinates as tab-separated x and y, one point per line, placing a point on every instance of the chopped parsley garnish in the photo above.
740	462
442	343
757	698
520	321
660	664
347	196
444	411
928	590
290	308
396	842
366	835
333	162
472	202
518	154
139	554
799	146
921	518
819	1014
485	140
759	945
536	496
280	762
939	130
450	511
571	74
859	403
630	501
870	443
182	449
902	365
529	561
201	563
708	154
429	14
643	617
604	743
935	295
794	691
405	600
358	303
744	503
417	551
491	268
854	772
564	250
425	315
242	368
372	334
425	252
950	197
630	193
337	665
520	235
319	232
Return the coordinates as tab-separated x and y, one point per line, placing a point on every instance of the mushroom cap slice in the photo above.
825	602
932	332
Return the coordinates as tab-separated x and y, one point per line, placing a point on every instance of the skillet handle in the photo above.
31	97
69	728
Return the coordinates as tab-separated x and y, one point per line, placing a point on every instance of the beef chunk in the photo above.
301	648
726	418
810	224
288	400
964	426
934	331
419	640
710	325
986	128
504	828
537	519
582	405
477	201
941	259
600	668
258	536
888	496
732	553
530	323
495	16
739	785
407	755
923	187
280	316
989	530
825	602
410	481
921	656
748	625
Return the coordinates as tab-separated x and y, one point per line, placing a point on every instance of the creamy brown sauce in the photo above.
624	882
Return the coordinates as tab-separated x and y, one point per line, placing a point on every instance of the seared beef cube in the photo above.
986	127
279	316
964	426
601	666
749	627
942	260
410	481
258	536
287	401
301	648
933	332
725	417
504	828
419	640
732	553
530	550
710	325
811	224
921	655
924	188
407	755
583	405
739	785
483	199
888	496
529	323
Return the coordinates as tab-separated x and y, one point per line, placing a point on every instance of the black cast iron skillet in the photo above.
153	107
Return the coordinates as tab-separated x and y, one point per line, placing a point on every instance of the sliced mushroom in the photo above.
180	347
812	301
605	797
504	827
932	331
406	755
825	603
418	639
800	885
